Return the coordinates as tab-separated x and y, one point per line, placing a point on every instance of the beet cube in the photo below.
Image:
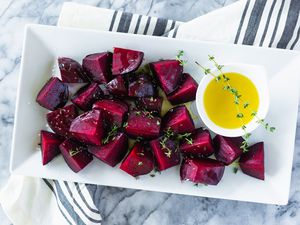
117	87
71	71
53	95
152	104
142	86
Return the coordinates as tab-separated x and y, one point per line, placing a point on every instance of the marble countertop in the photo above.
122	206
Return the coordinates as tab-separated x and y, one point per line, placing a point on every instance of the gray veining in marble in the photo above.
123	206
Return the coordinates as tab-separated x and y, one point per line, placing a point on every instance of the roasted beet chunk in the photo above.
50	145
53	95
126	60
75	154
252	162
199	143
151	104
89	127
143	124
112	151
139	161
86	96
71	71
142	86
178	119
186	91
114	110
227	148
117	87
204	171
60	120
166	152
169	73
97	66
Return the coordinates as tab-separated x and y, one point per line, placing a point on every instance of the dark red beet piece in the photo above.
75	154
114	110
150	104
126	60
49	145
143	124
71	71
117	87
97	66
60	120
142	86
166	155
178	119
113	152
252	162
204	171
169	74
201	144
89	127
139	161
227	148
86	96
186	91
53	95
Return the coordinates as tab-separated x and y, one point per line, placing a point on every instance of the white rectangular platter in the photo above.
42	46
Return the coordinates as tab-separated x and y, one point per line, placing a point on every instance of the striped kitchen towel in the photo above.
269	23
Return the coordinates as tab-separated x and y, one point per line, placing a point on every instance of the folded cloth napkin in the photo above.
272	23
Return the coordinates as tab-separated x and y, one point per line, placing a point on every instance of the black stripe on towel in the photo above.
137	26
290	24
113	20
52	189
254	22
296	40
84	200
147	25
267	23
241	22
160	27
124	23
64	201
277	23
78	206
172	25
175	32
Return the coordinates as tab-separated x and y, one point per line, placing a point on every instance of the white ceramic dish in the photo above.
257	74
43	44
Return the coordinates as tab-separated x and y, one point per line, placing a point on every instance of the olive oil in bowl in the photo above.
220	104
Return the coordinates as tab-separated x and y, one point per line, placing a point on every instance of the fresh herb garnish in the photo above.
74	152
110	134
179	58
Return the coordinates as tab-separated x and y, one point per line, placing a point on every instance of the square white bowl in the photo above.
42	46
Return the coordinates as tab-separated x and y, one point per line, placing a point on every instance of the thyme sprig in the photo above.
110	134
187	137
179	58
237	100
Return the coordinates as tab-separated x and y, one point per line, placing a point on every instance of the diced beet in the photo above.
89	127
151	104
166	152
117	87
169	74
227	148
71	71
126	60
60	120
139	161
86	96
186	91
142	86
143	124
113	152
75	154
53	95
201	144
252	162
114	110
97	66
49	145
178	119
204	171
